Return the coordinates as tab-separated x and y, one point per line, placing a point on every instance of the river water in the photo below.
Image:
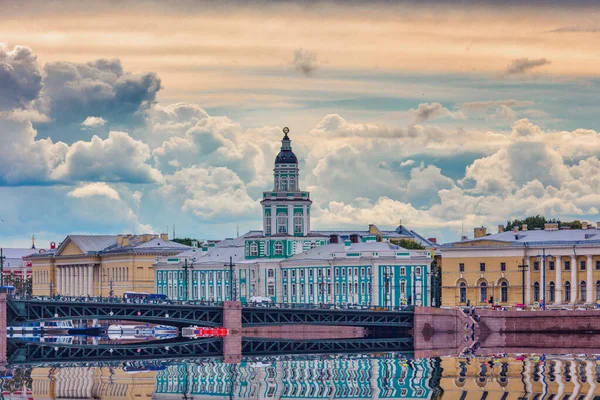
340	376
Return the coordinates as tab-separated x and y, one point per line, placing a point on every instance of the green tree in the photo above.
539	221
22	286
187	241
410	245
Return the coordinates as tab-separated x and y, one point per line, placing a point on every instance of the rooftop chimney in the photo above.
524	227
479	232
432	240
516	232
598	225
164	236
500	228
584	225
551	226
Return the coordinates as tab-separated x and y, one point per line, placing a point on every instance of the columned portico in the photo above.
75	280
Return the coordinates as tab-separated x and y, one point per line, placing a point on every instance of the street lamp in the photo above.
542	258
186	268
232	291
523	267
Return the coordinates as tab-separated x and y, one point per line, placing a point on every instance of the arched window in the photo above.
268	224
298	223
482	292
253	249
282	221
283	184
552	291
567	291
582	294
276	182
504	292
278	249
536	291
597	290
292	185
463	292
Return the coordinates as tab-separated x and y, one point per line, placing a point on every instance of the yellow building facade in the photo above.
561	267
100	265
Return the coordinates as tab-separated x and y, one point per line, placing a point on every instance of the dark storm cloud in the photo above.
522	65
73	92
20	78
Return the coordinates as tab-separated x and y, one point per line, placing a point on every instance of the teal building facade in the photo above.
287	262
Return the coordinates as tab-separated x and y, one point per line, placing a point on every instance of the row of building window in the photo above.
536	266
536	292
326	289
283	184
282	223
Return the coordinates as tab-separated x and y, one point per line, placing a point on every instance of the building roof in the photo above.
326	252
91	243
16	253
566	237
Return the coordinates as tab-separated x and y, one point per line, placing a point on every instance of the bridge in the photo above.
24	352
38	310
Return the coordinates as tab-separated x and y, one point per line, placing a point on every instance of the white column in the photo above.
86	289
528	281
273	219
558	280
305	218
68	281
290	229
574	283
91	280
589	284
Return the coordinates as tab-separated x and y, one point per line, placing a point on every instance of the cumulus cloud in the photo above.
93	122
95	189
20	78
211	194
119	158
407	163
523	65
428	111
305	62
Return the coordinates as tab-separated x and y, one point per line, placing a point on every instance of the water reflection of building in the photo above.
559	377
91	383
310	378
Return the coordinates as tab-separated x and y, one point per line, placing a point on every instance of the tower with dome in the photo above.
285	212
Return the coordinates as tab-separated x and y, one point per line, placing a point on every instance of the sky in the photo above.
134	116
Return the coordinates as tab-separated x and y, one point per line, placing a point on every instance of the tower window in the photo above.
283	186
282	221
278	248
298	223
268	224
253	250
292	185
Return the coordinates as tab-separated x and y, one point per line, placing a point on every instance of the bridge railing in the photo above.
309	306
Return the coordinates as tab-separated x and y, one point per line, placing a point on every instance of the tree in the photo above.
187	241
22	287
539	221
410	245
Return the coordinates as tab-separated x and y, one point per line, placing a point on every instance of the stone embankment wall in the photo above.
439	331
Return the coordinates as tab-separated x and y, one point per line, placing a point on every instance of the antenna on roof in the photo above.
33	241
462	229
238	230
173	231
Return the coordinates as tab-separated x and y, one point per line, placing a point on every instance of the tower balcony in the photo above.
271	195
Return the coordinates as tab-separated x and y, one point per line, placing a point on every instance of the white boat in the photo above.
129	331
61	326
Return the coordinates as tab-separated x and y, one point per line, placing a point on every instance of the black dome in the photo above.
286	157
